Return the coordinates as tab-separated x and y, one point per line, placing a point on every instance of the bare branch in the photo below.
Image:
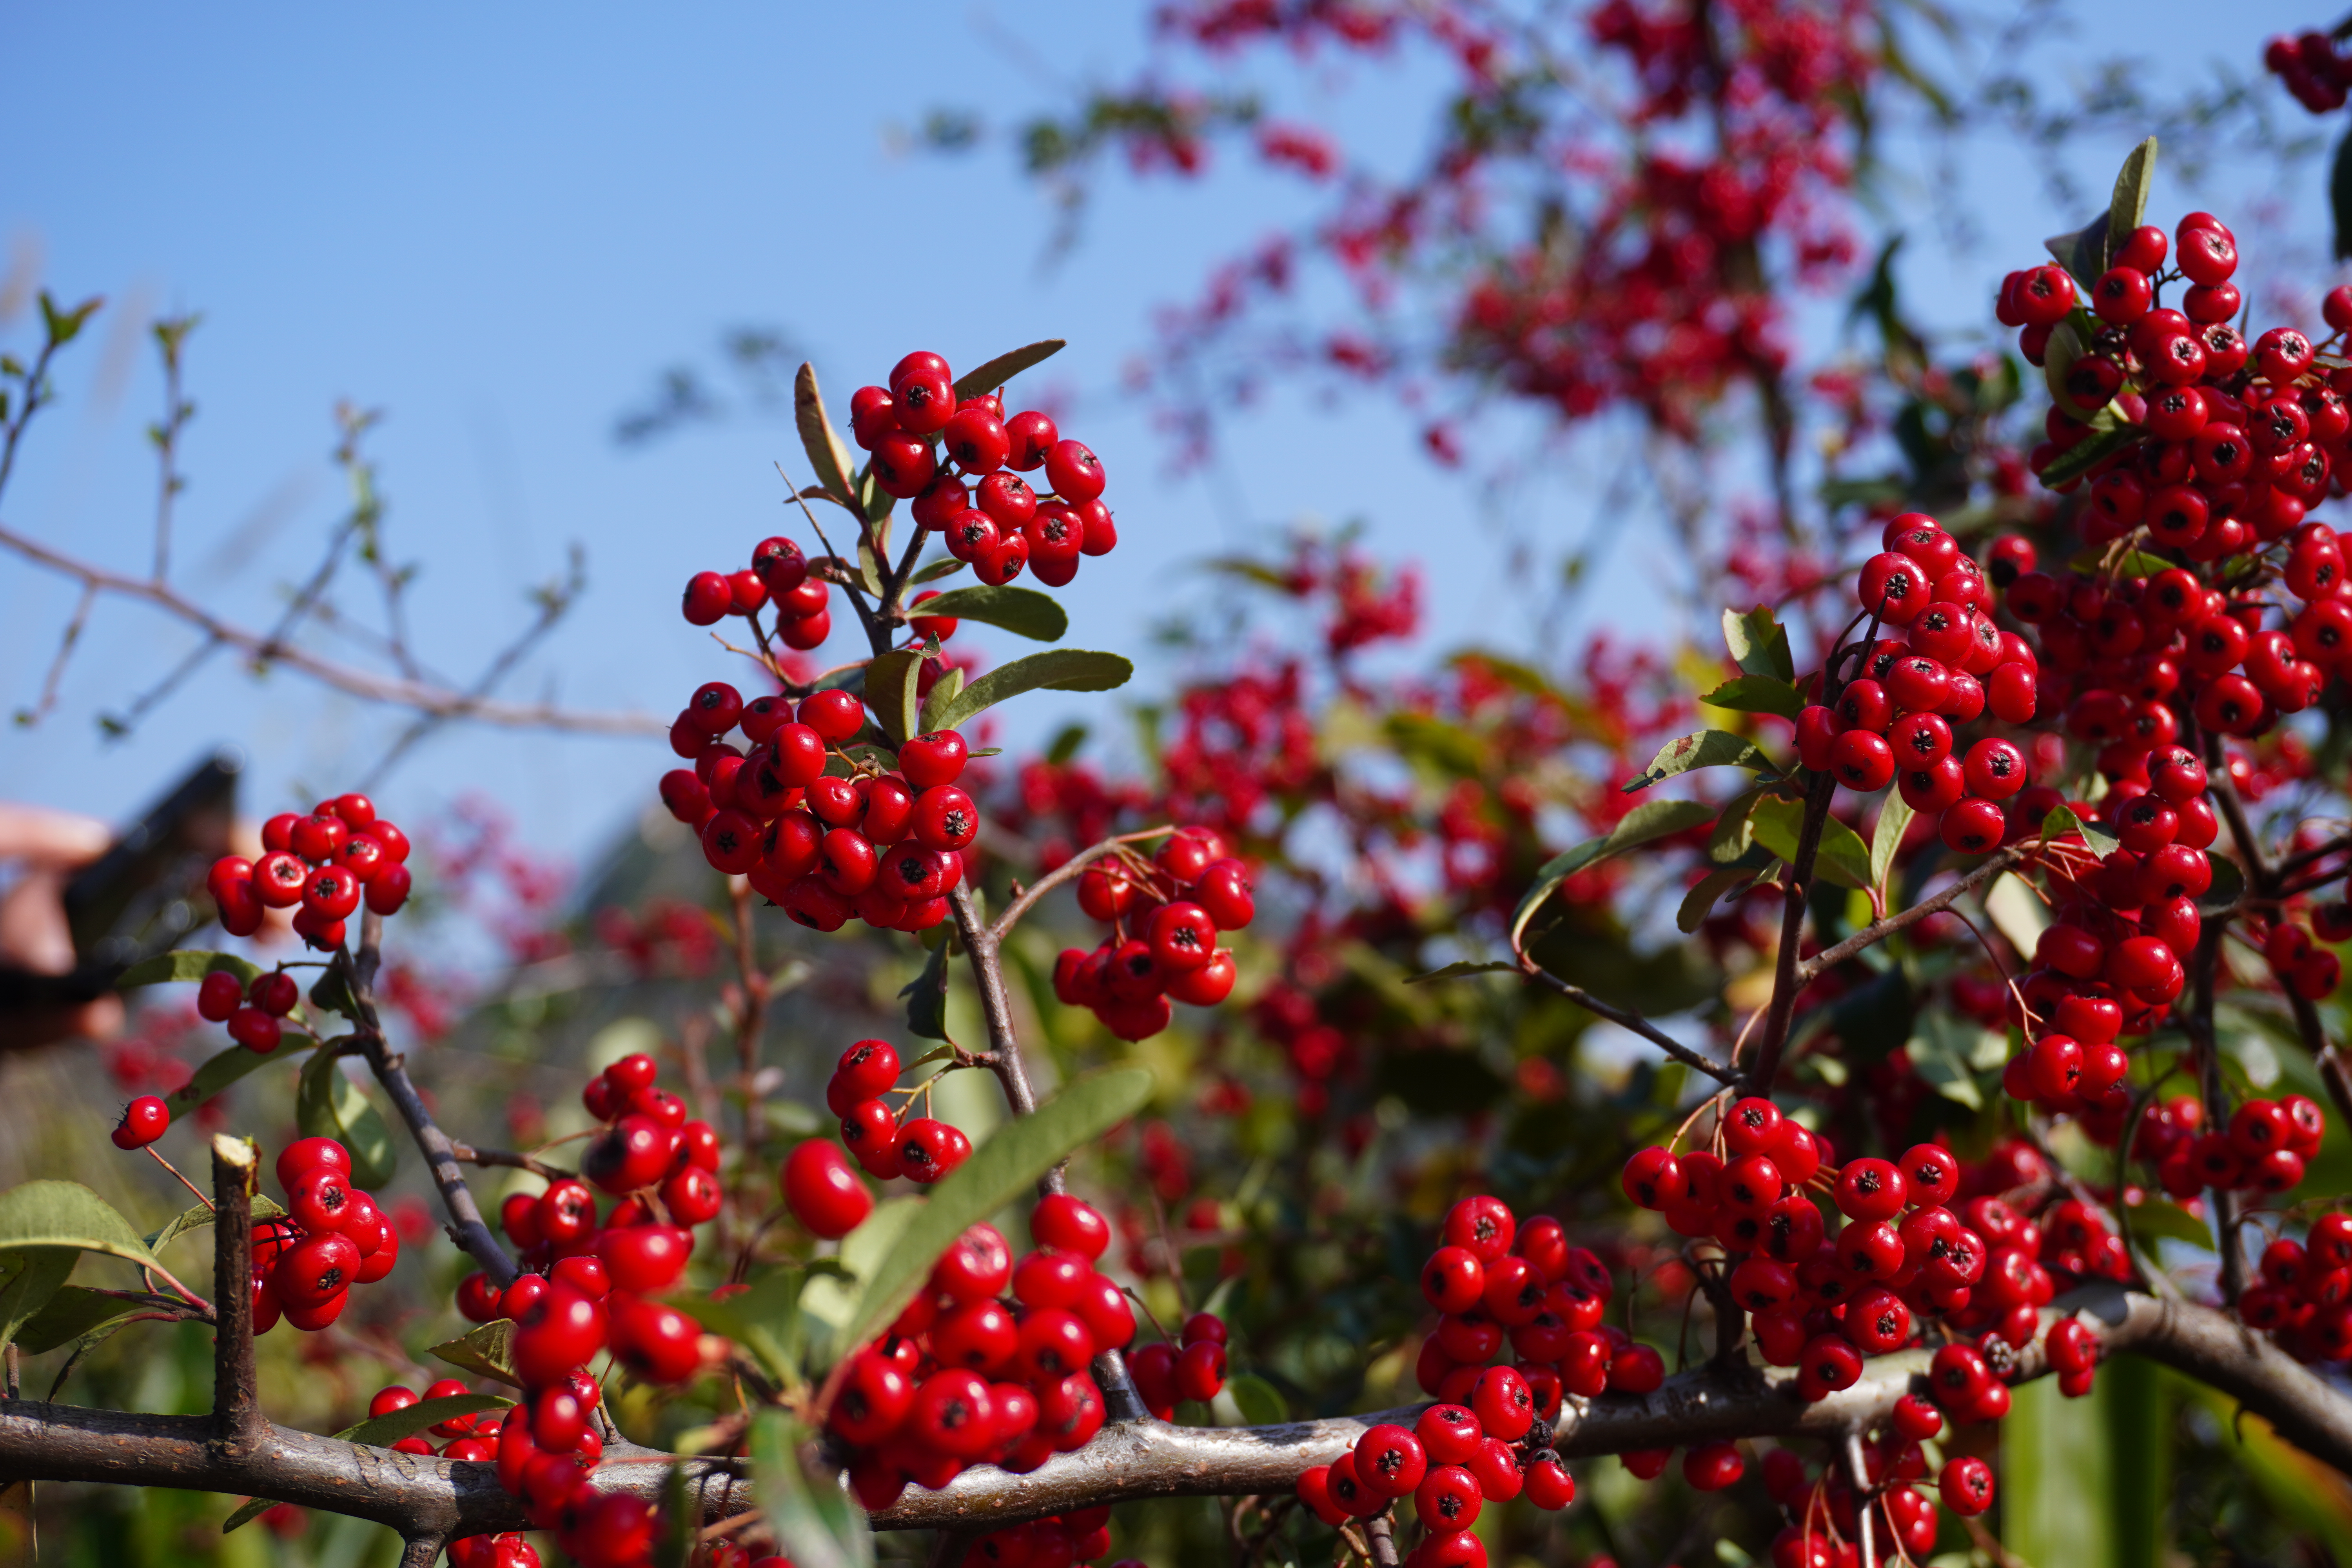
263	649
466	1223
1879	931
509	1160
1626	1018
1075	864
236	1388
1785	984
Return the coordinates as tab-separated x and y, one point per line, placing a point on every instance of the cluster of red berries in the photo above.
2311	68
824	1193
2263	1147
469	1437
2234	441
1826	1512
252	1011
1452	1462
2304	1298
325	862
588	1288
331	1237
964	1376
1192	1368
1165	915
824	845
779	575
1894	722
970	490
1056	1541
1821	1302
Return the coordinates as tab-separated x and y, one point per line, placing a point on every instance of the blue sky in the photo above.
497	224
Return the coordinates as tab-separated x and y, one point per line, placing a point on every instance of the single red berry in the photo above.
823	1191
145	1120
1070	1224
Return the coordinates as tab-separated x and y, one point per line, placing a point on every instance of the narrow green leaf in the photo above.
818	1526
2061	821
71	1314
1014	1156
486	1352
2084	252
2057	1498
188	964
826	455
944	692
1707	749
1734	833
935	571
2088	453
1651	820
328	1105
66	1214
2229	884
224	1068
1062	669
246	1512
890	682
31	1278
1758	642
1260	1402
384	1431
1700	902
1893	819
926	997
1006	366
1756	694
197	1218
1024	611
2156	1217
2129	203
1462	969
1843	858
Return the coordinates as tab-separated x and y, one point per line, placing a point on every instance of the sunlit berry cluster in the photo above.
589	1288
824	1193
823	833
777	581
1165	915
252	1010
961	462
964	1376
1895	721
331	1237
324	863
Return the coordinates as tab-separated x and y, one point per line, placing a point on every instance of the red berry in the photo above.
1070	1224
823	1190
145	1120
707	599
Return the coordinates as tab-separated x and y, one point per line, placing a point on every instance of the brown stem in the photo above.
2224	1203
1066	871
751	1019
466	1224
1879	931
1709	1403
237	1389
506	1159
1380	1534
1785	984
1626	1018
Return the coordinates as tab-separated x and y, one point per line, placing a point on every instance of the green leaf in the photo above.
1014	1156
1955	1057
1023	611
2084	252
2066	345
890	682
926	997
1462	969
1758	642
71	1314
246	1512
766	1320
1006	366
1894	818
831	459
225	1067
66	1214
2129	203
935	571
944	692
2057	1494
1733	831
2229	884
30	1276
486	1352
1261	1404
1063	669
1651	820
198	1217
2061	821
2093	563
328	1105
384	1431
1707	749
1700	902
818	1526
1756	694
2156	1217
188	964
1842	857
2088	453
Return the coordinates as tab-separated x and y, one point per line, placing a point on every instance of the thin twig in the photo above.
1626	1018
1879	931
509	1160
1074	866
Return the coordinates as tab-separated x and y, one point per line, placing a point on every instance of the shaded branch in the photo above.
1069	869
466	1223
509	1160
1785	984
237	1389
1626	1018
1879	931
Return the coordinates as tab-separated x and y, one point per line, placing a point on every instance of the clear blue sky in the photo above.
498	223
